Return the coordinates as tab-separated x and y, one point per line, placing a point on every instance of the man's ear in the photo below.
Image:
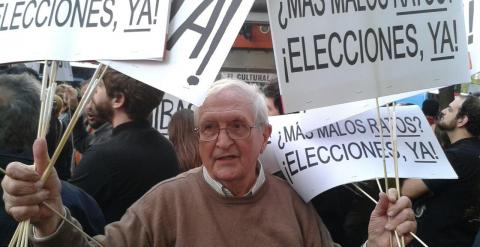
118	100
267	130
462	121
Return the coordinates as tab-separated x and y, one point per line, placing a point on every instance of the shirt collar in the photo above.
224	191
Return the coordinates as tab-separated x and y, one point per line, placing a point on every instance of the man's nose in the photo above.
223	139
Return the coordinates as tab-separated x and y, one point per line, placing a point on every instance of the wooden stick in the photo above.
15	239
395	149
379	119
42	98
48	108
374	201
24	228
395	156
385	175
379	185
27	225
85	99
53	72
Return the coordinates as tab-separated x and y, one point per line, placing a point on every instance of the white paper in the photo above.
350	151
184	73
72	30
356	53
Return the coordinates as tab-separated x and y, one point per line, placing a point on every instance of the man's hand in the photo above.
391	214
23	192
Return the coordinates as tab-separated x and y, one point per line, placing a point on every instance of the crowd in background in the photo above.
114	157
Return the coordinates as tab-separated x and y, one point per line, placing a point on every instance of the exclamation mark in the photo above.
471	9
433	150
156	13
455	34
193	79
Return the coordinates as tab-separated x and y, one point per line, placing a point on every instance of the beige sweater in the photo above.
185	211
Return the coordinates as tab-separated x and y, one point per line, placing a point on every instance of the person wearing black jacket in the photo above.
118	172
448	210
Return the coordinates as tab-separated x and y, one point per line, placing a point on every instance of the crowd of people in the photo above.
126	184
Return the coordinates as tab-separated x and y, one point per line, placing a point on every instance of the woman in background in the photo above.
185	142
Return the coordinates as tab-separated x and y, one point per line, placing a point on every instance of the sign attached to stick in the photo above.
201	33
82	29
64	70
472	25
164	112
351	150
385	47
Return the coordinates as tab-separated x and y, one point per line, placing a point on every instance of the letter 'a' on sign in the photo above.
383	49
201	33
72	30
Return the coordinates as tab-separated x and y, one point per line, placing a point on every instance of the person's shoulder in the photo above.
280	186
464	149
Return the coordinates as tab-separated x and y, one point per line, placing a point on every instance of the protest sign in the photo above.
201	33
351	150
82	29
64	70
472	26
164	112
331	52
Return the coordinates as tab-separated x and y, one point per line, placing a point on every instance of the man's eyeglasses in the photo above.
235	131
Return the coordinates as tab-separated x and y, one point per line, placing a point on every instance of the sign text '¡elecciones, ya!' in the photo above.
74	14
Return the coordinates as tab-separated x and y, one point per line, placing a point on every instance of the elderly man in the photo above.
229	201
448	209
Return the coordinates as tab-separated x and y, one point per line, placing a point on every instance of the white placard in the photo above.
201	34
164	112
350	151
64	70
332	52
472	26
72	30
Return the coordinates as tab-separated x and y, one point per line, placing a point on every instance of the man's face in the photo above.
225	159
99	110
93	119
272	110
448	117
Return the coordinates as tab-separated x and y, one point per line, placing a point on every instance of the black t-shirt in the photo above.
118	172
447	215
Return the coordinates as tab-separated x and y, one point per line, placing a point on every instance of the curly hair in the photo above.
471	109
140	98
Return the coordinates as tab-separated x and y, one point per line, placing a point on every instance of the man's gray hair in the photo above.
250	91
19	110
